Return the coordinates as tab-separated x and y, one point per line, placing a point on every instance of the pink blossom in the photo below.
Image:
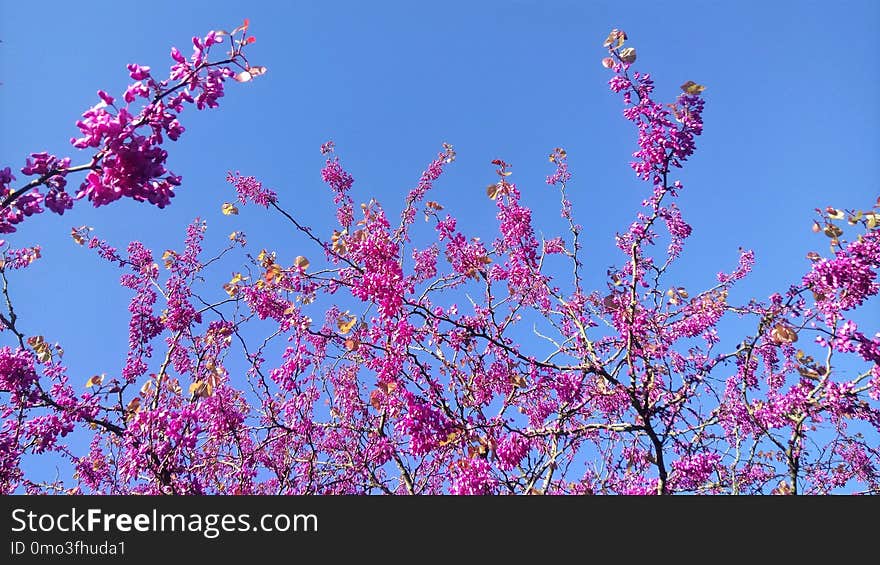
472	476
250	189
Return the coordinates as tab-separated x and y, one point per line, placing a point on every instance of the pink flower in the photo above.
553	246
250	189
472	476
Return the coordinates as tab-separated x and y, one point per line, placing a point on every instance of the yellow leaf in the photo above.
691	87
345	324
834	213
450	437
200	389
95	381
41	348
231	287
229	209
168	257
147	388
615	39
265	258
338	243
493	190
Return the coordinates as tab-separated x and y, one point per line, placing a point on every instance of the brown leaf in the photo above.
518	381
387	388
610	302
265	258
449	152
690	87
783	334
133	407
832	231
301	262
628	55
77	238
808	372
615	39
375	400
174	386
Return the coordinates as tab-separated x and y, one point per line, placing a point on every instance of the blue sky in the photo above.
791	125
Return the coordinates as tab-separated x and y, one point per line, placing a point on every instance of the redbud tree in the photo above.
403	357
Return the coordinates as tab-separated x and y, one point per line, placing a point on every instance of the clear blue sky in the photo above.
792	124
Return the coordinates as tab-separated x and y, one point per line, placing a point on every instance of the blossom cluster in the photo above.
129	160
